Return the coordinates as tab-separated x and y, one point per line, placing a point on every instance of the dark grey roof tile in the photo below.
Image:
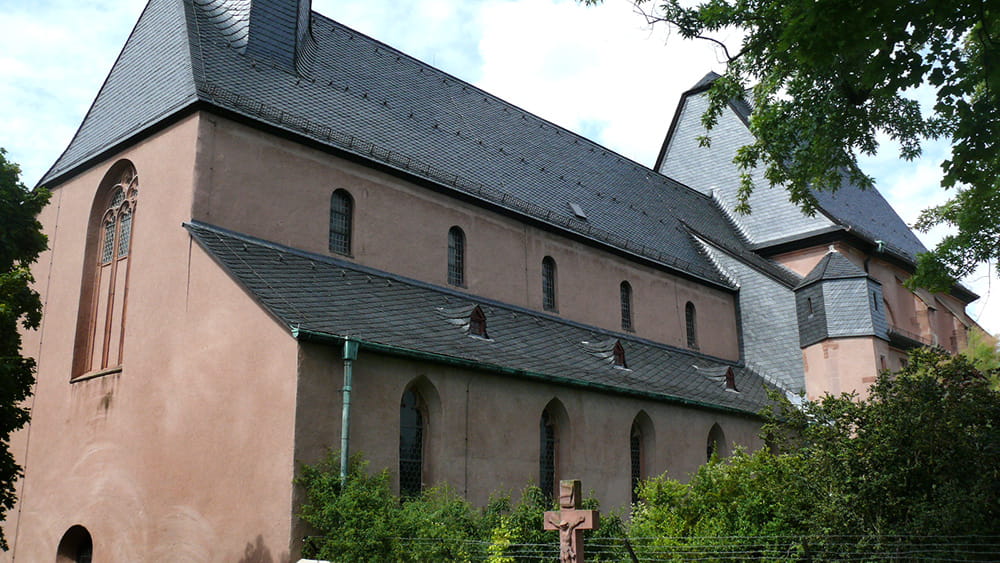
833	265
361	96
337	298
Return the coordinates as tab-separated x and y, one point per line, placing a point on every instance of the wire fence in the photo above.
709	549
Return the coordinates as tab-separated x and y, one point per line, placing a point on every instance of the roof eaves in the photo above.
170	116
193	224
304	129
305	335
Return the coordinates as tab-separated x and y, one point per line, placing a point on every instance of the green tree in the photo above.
827	76
983	350
21	241
916	464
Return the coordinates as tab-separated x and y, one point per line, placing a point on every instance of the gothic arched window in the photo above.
341	221
100	330
626	298
691	324
553	429
636	455
548	284
412	422
716	442
547	455
76	546
456	256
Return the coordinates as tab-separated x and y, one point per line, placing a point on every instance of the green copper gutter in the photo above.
306	335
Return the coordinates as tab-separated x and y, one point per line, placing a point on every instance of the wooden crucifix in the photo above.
571	522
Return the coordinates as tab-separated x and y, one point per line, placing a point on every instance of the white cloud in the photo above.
598	71
55	57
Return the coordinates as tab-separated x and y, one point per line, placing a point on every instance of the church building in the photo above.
265	213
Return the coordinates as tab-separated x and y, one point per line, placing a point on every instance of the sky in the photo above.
599	71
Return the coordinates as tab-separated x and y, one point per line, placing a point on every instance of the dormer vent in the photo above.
618	353
477	323
578	211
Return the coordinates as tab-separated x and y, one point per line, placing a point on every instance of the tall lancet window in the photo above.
626	295
553	427
412	420
341	221
547	455
691	325
456	256
100	331
548	284
635	451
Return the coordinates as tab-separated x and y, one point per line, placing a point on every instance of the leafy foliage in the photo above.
21	241
916	464
916	460
826	77
983	350
364	521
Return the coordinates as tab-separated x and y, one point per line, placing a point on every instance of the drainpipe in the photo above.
350	354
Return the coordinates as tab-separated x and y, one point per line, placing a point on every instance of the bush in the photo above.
364	521
915	465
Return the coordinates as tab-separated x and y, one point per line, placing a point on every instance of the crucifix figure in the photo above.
571	522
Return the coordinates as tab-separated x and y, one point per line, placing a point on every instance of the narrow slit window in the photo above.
341	221
548	284
691	324
635	451
547	455
411	444
626	299
456	256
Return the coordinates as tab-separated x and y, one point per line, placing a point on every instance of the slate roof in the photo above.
359	96
317	294
833	266
863	211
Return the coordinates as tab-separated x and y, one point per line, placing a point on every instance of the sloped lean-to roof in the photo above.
365	100
324	298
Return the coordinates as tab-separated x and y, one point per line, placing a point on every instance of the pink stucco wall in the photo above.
278	190
186	453
189	451
483	429
842	365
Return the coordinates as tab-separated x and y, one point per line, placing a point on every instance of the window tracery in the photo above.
101	320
